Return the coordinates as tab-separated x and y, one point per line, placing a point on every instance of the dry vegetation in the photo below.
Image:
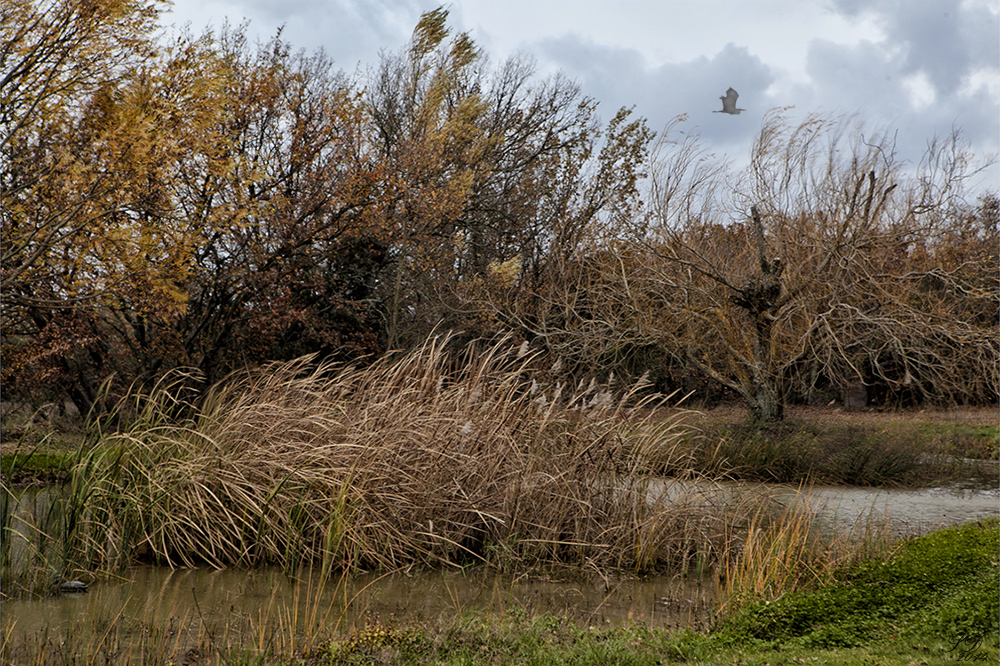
777	554
431	458
212	203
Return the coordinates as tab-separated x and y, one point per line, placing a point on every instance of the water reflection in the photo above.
176	605
180	601
29	519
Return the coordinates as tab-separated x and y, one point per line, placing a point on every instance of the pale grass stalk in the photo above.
793	550
432	457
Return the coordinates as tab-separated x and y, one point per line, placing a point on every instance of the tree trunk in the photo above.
769	404
759	296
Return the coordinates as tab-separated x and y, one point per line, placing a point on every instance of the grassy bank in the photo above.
38	446
894	448
935	602
905	448
24	466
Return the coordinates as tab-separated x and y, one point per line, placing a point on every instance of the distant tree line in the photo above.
209	203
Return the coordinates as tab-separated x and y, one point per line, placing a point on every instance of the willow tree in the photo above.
821	265
483	166
818	273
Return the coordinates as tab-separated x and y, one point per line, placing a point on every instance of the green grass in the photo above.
936	602
943	585
22	467
36	449
964	440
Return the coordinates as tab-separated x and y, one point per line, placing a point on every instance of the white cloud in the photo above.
984	79
920	90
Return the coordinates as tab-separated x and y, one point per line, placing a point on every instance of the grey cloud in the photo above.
352	32
866	80
621	77
851	77
945	39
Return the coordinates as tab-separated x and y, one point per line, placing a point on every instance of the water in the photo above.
176	607
163	597
906	512
903	512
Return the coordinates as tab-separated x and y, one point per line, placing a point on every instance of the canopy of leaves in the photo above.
213	203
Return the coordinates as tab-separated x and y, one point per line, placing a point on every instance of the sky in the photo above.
916	69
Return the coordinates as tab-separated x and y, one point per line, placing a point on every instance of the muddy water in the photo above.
176	606
173	602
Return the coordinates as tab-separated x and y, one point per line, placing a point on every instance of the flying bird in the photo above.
729	103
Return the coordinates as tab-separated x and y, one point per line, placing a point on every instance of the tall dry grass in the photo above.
783	551
433	457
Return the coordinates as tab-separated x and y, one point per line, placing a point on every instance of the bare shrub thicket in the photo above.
430	458
820	266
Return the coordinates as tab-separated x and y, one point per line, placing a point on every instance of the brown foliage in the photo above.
833	267
211	203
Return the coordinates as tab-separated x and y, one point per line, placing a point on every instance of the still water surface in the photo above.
265	596
168	599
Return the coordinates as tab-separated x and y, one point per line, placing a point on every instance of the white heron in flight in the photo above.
729	103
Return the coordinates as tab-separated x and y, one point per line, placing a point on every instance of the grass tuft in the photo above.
794	549
430	458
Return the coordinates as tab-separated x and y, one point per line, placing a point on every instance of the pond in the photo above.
225	597
178	606
905	512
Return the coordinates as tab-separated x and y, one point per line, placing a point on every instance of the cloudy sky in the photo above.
916	68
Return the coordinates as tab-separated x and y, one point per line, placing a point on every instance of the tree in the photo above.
821	265
64	149
275	194
176	201
423	107
210	203
821	283
593	199
82	206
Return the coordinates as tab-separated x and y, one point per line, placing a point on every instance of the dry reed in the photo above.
433	457
779	552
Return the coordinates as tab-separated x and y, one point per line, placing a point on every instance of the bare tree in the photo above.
820	265
828	282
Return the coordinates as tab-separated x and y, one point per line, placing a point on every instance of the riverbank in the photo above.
415	465
934	602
